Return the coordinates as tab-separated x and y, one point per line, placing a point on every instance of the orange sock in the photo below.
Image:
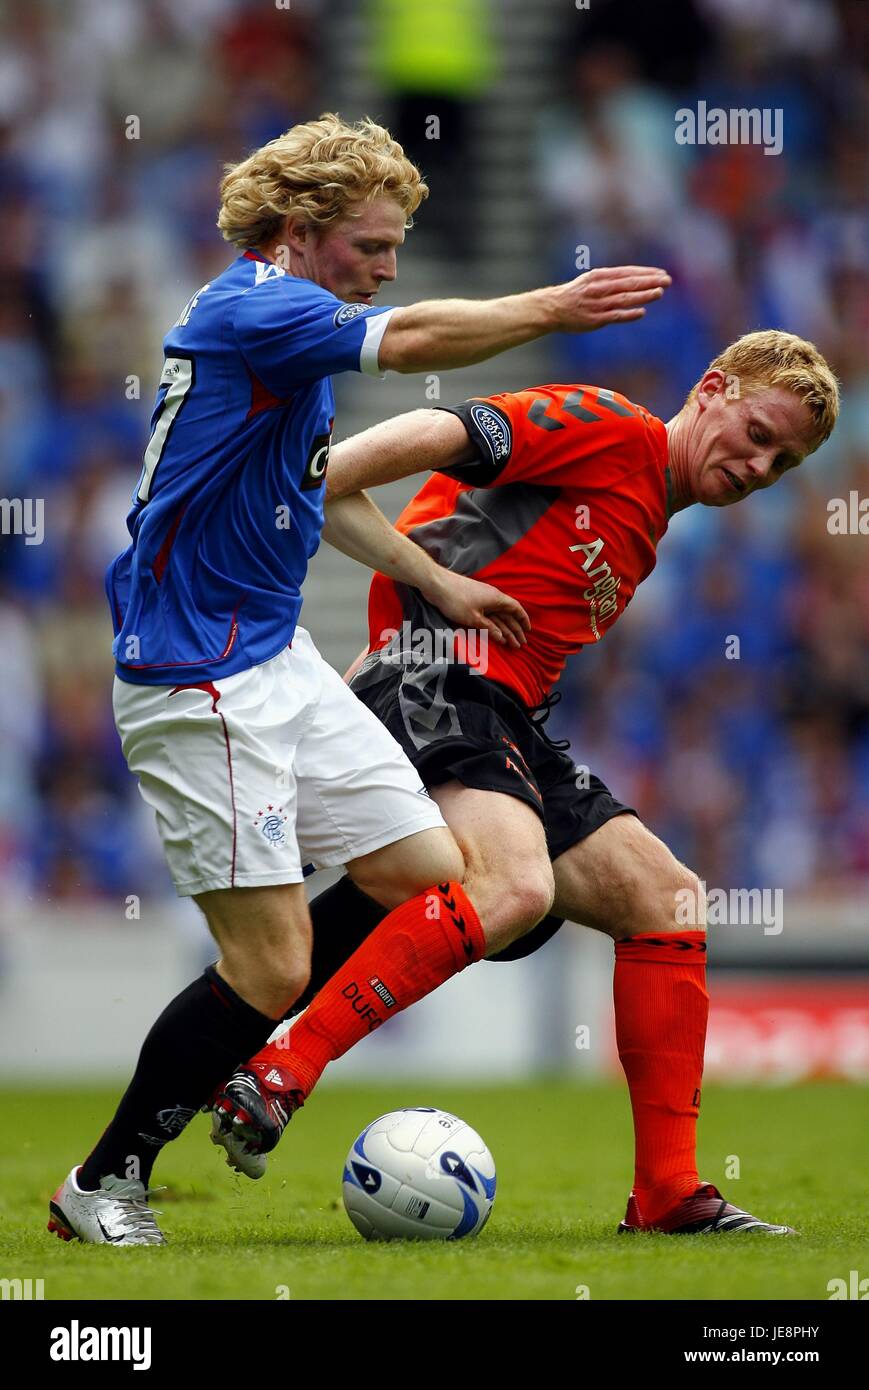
417	947
661	1010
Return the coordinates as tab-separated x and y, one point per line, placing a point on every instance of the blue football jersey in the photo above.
228	508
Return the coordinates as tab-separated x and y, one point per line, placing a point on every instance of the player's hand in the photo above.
471	605
609	294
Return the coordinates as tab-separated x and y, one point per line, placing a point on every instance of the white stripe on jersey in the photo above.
375	327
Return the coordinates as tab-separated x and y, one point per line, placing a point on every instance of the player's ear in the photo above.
710	385
297	232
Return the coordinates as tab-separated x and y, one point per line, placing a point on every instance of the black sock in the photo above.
341	916
198	1040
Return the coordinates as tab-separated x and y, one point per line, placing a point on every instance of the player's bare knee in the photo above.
510	905
406	868
689	898
392	890
536	897
676	899
670	900
282	981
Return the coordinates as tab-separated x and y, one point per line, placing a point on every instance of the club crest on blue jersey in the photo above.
348	312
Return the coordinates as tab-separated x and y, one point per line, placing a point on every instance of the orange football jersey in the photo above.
562	508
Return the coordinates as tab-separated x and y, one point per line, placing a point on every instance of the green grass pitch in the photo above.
563	1155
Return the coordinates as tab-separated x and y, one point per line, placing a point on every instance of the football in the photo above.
419	1174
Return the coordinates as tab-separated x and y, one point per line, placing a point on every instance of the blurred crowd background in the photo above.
756	769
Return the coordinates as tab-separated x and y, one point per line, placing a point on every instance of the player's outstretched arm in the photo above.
438	334
355	526
411	443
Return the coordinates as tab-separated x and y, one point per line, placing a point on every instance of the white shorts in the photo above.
284	767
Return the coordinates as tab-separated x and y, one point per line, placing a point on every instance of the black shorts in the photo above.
453	724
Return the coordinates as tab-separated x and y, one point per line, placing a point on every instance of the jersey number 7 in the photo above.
178	376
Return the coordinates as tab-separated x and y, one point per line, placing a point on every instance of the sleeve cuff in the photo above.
490	432
375	327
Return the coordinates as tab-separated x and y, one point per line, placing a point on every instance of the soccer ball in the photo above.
419	1174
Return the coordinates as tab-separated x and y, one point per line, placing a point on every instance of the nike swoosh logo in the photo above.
112	1240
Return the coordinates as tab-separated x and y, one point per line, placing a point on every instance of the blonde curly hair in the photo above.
321	170
772	357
